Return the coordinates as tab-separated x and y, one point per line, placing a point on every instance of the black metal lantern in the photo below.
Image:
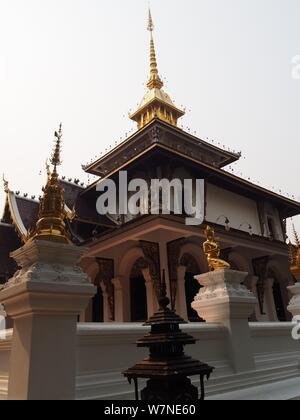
168	368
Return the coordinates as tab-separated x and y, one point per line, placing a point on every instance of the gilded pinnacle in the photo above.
156	104
155	81
51	219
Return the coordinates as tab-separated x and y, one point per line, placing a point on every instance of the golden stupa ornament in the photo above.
156	103
212	251
294	254
51	218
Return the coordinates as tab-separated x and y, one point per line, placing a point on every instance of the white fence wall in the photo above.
105	350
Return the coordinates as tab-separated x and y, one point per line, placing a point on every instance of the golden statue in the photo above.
212	251
294	254
51	218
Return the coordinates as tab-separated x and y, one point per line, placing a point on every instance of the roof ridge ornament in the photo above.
155	81
6	185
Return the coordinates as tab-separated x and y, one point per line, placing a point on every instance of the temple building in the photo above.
126	254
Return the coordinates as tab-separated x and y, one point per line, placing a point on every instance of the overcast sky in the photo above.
85	63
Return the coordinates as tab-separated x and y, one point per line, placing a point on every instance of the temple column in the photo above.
151	298
122	299
181	307
269	301
106	310
105	281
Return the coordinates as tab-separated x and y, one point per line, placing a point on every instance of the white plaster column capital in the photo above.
223	296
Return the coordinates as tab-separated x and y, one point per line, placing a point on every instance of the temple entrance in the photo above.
138	299
278	300
138	293
97	306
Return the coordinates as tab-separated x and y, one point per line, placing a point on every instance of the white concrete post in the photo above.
122	299
223	299
44	299
106	309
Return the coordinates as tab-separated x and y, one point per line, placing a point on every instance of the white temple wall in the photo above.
241	211
106	350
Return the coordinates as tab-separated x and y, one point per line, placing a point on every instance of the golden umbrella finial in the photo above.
155	81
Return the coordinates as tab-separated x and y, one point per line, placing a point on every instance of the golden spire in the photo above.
154	81
156	103
294	255
51	225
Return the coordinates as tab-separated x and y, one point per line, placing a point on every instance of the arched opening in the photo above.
138	294
97	306
192	286
278	298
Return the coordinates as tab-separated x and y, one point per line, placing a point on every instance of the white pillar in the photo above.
106	309
122	299
269	301
224	300
181	308
44	299
151	298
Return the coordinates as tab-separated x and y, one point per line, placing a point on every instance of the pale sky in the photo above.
85	63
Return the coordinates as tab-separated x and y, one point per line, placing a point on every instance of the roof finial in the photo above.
150	22
156	103
5	183
154	80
